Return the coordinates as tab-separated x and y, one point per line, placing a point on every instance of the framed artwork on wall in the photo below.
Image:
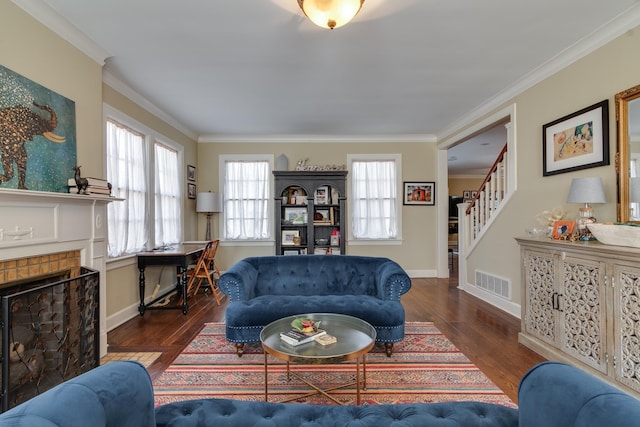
419	193
191	190
577	141
191	172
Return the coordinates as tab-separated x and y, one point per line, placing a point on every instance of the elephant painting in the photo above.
19	124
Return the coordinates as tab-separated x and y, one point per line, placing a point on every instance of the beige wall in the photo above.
35	52
418	249
598	76
457	185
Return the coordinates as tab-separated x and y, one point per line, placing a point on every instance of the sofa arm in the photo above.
391	281
554	394
239	281
118	394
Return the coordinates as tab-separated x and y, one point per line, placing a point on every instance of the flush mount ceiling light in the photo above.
330	13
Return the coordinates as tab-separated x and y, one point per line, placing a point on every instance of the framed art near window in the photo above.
191	190
191	173
577	141
419	193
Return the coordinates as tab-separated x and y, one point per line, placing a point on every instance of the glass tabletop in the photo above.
355	337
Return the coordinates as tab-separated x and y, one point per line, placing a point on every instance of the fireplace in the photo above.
53	246
49	330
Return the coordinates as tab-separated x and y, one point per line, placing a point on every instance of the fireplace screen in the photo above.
49	332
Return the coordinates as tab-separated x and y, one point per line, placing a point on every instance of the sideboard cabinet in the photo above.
581	305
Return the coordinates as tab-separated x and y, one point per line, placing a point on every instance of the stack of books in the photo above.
97	187
295	337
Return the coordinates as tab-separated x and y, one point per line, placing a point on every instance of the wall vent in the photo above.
494	284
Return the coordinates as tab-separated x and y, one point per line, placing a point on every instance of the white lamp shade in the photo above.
330	13
209	202
586	190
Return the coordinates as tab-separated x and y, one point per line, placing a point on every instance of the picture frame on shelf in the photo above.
288	236
322	195
191	190
577	141
562	230
191	172
419	193
322	216
295	216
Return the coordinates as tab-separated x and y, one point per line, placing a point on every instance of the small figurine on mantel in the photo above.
81	183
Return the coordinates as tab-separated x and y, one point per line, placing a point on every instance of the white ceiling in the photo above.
402	70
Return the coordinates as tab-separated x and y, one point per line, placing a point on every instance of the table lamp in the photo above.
586	190
209	203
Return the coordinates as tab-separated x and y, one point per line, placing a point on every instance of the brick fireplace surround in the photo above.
43	233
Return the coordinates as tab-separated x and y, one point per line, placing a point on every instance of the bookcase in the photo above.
310	212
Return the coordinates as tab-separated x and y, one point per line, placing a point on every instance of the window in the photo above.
247	195
146	174
374	197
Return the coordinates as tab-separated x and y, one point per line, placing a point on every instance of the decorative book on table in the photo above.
295	337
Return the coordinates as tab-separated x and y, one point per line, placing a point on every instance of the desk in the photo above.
180	256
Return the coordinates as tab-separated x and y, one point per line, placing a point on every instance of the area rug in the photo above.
425	367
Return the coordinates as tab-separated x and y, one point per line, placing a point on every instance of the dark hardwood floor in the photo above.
486	335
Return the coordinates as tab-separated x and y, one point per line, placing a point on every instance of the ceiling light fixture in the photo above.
330	13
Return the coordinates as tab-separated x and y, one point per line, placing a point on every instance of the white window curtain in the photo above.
246	200
374	199
167	196
126	166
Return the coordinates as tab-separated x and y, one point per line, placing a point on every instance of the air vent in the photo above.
494	284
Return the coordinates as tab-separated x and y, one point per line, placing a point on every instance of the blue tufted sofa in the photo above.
120	394
264	289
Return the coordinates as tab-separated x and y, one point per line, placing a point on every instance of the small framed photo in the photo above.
296	216
288	235
322	195
562	230
191	190
419	193
322	216
577	141
191	172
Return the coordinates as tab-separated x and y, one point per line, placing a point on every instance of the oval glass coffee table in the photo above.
355	338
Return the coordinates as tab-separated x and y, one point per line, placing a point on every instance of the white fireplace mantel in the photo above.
36	223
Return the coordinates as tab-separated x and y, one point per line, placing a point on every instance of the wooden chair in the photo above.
206	269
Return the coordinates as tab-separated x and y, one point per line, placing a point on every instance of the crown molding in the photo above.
335	139
119	86
606	33
51	19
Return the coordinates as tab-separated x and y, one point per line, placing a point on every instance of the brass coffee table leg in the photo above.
364	371
266	379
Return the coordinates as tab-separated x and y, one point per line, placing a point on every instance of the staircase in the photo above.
482	209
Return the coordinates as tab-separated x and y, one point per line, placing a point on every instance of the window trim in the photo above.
270	159
151	137
397	158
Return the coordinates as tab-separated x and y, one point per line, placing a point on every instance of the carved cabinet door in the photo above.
626	306
540	273
583	310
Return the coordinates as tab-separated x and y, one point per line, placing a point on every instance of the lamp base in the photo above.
207	235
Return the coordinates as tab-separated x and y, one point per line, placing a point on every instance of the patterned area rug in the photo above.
425	367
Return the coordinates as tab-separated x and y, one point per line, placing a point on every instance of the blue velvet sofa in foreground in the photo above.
120	394
264	289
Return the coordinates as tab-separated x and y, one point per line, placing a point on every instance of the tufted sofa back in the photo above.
316	275
555	394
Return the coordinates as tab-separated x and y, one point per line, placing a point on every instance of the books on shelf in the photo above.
295	337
